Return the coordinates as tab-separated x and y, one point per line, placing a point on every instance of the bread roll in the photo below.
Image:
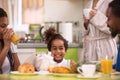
60	69
26	68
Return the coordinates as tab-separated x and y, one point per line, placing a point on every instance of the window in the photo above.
32	11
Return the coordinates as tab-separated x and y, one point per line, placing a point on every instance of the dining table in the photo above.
57	76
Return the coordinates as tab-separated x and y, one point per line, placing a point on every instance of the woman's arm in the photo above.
15	56
86	22
5	48
16	61
99	20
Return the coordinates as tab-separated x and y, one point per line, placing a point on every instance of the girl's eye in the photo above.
61	48
54	48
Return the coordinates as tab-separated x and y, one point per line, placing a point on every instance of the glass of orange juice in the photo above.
15	39
106	66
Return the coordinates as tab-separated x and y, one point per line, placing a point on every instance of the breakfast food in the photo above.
50	68
73	66
26	68
59	69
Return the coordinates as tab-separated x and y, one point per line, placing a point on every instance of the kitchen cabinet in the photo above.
52	11
24	53
63	10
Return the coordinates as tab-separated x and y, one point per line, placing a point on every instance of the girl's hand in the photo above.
93	13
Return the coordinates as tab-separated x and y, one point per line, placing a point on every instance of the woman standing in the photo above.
8	58
98	42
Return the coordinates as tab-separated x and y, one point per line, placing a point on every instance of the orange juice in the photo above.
106	66
15	39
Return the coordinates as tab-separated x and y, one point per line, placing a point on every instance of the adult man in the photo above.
114	17
114	25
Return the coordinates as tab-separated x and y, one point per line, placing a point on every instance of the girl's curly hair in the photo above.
50	35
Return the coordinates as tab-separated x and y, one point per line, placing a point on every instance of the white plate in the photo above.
63	74
85	77
116	73
17	73
44	72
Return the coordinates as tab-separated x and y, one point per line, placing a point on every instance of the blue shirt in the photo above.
117	65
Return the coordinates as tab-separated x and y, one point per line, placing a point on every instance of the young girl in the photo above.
58	46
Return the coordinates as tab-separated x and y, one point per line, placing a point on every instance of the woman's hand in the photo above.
85	19
93	13
7	34
86	22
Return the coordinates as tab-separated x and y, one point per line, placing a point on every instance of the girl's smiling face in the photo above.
58	50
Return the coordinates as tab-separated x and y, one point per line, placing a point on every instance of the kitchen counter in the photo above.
26	49
41	45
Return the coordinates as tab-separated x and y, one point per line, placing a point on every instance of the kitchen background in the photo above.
27	17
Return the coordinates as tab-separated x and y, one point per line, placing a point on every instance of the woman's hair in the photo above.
3	13
115	6
50	35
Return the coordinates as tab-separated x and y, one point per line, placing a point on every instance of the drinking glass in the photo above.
106	66
15	39
86	12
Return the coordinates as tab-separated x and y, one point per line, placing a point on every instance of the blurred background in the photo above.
29	18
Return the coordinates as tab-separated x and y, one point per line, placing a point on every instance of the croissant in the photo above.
26	68
59	69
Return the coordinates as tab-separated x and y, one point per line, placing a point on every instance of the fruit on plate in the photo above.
26	68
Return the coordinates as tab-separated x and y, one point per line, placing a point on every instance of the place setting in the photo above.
24	74
97	69
87	71
28	69
25	69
